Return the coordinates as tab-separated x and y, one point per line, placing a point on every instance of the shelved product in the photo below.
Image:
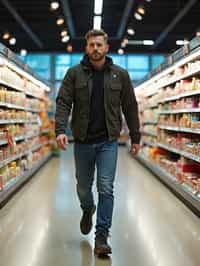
23	103
169	105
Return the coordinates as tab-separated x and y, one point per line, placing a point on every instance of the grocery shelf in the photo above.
3	142
45	131
4	83
151	106
13	106
180	111
151	93
149	133
188	195
181	129
18	156
183	95
149	143
13	121
33	95
173	80
183	153
20	180
32	110
150	123
17	121
179	78
32	136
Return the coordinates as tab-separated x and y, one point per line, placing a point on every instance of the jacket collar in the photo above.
85	62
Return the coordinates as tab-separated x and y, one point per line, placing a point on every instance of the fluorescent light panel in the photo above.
97	22
98	7
181	42
148	42
140	42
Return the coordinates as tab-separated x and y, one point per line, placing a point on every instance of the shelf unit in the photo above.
177	151
149	134
180	111
17	121
151	93
33	89
13	106
18	156
178	97
11	187
180	129
188	195
150	123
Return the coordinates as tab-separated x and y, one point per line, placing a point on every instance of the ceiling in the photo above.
34	24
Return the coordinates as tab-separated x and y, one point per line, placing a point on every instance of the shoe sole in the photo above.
102	252
85	229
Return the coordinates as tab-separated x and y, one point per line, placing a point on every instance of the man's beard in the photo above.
96	57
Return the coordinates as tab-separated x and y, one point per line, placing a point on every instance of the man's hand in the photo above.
134	149
62	141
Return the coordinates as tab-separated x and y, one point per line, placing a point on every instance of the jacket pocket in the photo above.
116	87
115	93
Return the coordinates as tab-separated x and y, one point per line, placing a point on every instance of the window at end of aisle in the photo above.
140	62
119	60
40	63
76	58
157	60
62	59
61	71
137	75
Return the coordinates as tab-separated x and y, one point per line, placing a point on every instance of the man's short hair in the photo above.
94	33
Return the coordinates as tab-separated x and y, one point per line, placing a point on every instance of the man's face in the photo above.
96	48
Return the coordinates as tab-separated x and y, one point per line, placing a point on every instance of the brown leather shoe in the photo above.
86	221
101	246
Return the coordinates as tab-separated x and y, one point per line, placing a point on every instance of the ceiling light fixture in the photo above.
148	42
182	42
137	16
98	7
6	35
123	45
148	1
97	22
141	10
130	31
23	52
125	40
69	48
65	39
140	42
12	41
198	32
121	51
54	5
63	33
59	21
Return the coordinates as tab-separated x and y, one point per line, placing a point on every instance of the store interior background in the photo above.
39	225
34	25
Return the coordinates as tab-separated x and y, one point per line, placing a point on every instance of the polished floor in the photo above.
39	226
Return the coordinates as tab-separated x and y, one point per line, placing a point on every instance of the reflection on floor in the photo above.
40	225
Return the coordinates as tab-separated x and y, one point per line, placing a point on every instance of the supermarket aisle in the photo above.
40	225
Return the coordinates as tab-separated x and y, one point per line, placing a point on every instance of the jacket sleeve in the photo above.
130	109
64	102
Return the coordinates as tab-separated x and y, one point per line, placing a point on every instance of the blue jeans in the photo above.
104	157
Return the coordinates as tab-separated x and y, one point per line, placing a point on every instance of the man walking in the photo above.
98	90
